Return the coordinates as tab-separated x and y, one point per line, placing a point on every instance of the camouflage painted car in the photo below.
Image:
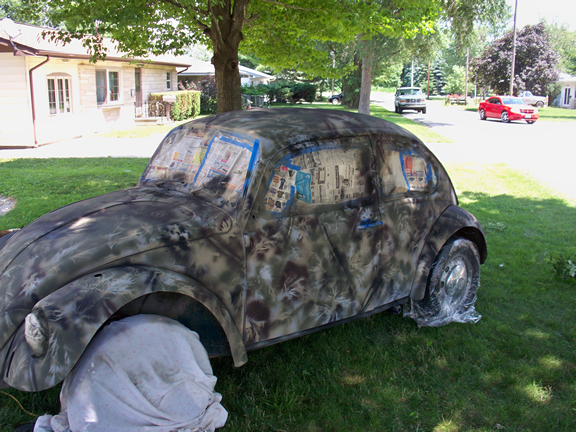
250	228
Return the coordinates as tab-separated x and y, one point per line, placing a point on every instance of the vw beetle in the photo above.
249	228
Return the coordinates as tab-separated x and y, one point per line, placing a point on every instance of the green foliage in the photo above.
187	104
456	81
536	62
208	103
286	91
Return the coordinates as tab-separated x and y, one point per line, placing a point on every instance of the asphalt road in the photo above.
545	149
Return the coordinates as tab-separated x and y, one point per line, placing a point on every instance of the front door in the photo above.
313	241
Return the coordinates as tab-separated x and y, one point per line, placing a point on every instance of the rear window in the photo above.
194	161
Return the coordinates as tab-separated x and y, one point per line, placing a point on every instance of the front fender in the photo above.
454	221
76	311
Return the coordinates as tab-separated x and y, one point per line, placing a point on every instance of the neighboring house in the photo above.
50	92
200	70
568	94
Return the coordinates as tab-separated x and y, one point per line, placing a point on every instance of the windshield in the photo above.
513	101
193	161
409	91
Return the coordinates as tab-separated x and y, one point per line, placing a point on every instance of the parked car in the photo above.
336	99
507	108
410	98
250	228
530	99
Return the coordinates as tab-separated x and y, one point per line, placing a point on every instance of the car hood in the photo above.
82	237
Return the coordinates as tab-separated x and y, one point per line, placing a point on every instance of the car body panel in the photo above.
277	222
77	310
514	107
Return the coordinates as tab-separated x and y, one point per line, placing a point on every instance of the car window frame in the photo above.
367	200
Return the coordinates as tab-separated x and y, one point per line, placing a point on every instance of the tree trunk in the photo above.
365	87
226	34
228	88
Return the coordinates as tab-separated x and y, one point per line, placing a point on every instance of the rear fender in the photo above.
455	221
78	310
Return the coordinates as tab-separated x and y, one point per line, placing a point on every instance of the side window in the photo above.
405	173
314	178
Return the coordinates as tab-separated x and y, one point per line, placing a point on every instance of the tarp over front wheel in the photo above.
143	373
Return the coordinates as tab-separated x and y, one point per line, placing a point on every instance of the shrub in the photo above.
208	103
187	104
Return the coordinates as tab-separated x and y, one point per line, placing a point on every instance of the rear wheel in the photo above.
539	104
335	101
482	114
504	117
452	286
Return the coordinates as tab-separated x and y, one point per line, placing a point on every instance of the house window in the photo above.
107	86
59	89
168	83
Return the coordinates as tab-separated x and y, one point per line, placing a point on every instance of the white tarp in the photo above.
143	373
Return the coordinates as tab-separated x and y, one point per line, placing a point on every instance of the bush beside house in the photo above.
187	104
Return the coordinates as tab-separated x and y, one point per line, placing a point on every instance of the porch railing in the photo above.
149	109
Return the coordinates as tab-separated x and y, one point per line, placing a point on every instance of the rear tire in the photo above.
452	286
482	114
539	104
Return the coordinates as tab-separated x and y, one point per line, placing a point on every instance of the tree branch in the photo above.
186	8
292	7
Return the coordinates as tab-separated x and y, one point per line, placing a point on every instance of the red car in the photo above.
507	108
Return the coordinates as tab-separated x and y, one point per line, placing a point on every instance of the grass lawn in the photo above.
515	370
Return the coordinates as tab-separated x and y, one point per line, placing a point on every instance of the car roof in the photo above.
277	128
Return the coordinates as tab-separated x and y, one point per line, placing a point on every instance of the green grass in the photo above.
515	370
142	131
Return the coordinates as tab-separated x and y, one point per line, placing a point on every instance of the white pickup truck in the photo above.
530	99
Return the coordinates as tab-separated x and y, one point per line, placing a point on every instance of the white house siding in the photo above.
15	110
154	80
55	127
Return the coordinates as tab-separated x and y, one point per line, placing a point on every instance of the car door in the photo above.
409	206
493	108
312	240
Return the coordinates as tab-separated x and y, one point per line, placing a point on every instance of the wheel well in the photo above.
185	310
476	237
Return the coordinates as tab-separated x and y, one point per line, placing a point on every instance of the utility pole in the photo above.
466	84
412	75
428	95
513	51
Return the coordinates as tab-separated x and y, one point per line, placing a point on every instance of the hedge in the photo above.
187	104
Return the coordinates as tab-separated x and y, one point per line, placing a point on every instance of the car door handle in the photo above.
368	223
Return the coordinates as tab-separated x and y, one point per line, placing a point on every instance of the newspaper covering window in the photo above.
219	162
405	171
316	176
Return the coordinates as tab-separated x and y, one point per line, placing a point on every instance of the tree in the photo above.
563	41
536	62
143	27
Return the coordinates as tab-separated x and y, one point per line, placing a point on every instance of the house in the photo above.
201	70
568	93
50	92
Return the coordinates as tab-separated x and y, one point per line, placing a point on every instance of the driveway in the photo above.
544	149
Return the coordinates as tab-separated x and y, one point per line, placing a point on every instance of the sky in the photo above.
530	12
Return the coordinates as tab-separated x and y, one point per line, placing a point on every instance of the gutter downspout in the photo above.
32	97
